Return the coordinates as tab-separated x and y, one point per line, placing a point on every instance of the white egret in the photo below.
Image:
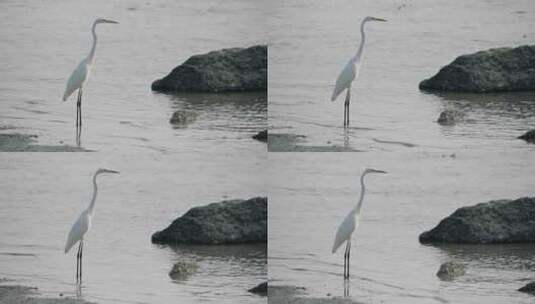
350	223
351	71
82	225
81	73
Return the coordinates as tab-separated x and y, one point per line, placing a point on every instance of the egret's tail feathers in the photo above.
335	247
70	243
333	97
68	247
69	90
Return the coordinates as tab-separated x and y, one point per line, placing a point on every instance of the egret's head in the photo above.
370	170
369	18
102	170
102	20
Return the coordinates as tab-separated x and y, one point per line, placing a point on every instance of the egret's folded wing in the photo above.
345	78
345	230
76	79
77	230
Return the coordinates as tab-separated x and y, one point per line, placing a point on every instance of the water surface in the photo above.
310	42
432	169
164	170
310	194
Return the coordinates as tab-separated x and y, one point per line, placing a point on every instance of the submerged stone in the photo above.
529	136
260	289
449	117
450	270
528	288
182	270
261	136
183	117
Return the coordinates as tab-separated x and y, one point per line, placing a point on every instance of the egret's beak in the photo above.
111	171
110	21
379	19
379	171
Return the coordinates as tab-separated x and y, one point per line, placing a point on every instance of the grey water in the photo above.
165	170
310	42
310	194
432	169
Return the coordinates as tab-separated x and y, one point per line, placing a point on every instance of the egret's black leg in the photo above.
80	110
346	107
348	256
77	267
346	261
81	253
78	103
78	262
78	116
345	113
348	101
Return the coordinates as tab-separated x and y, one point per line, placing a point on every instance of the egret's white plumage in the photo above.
78	230
351	222
83	223
80	75
345	230
346	77
351	71
77	78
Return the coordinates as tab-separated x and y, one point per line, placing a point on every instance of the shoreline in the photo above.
19	294
285	294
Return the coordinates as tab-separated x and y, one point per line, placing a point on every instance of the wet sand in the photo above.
15	142
293	143
297	295
17	294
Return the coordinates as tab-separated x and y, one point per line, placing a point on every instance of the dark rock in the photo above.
529	288
529	136
449	117
183	117
261	136
500	221
260	289
227	222
182	270
493	70
450	270
227	70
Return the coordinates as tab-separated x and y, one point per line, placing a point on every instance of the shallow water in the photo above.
164	170
310	194
432	169
311	42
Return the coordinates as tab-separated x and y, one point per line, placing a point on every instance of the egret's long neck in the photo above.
94	198
362	191
362	40
91	56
